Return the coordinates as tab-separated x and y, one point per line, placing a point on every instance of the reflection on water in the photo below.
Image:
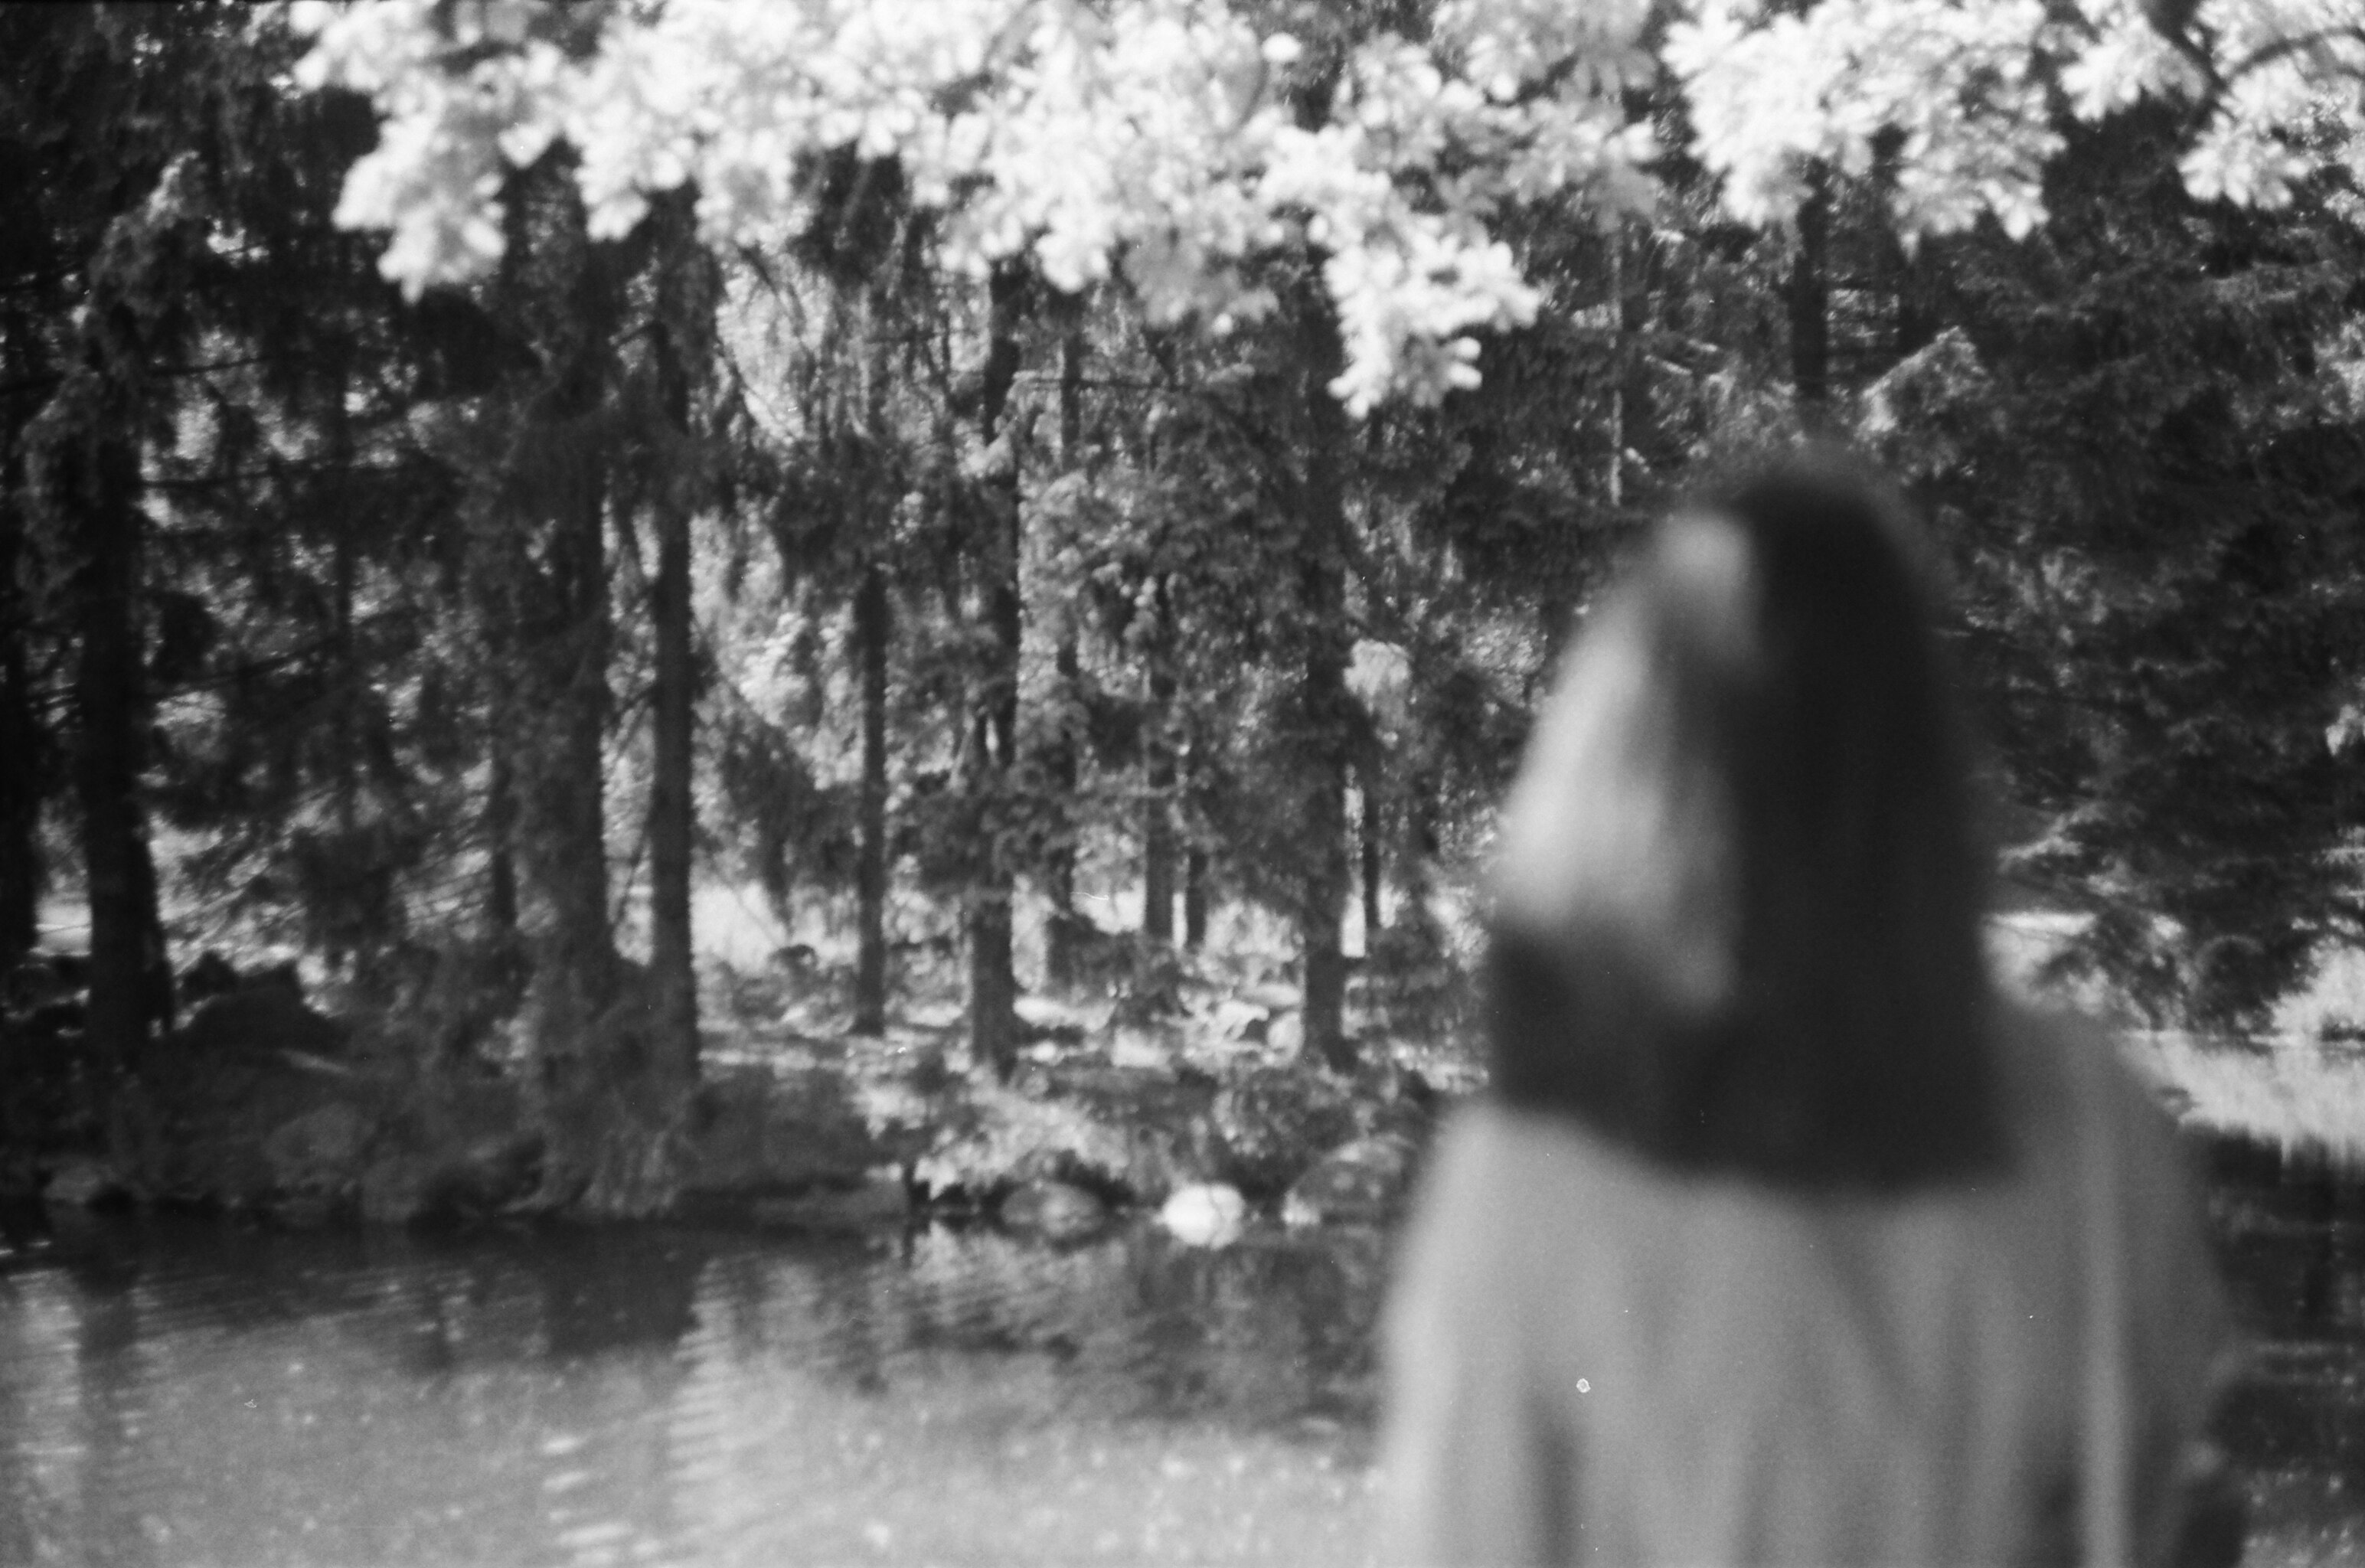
194	1393
190	1394
2295	1423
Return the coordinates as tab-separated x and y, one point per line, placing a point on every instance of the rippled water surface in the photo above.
185	1392
2294	1258
191	1393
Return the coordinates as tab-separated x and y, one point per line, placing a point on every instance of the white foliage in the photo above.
2296	97
1153	140
1149	138
1958	87
1953	82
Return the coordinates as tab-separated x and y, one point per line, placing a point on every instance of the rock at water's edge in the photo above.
321	1150
1207	1214
84	1184
881	1200
1053	1210
1362	1182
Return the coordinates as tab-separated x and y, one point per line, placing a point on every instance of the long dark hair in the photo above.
1739	896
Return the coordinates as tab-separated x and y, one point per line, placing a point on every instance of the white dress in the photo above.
1595	1359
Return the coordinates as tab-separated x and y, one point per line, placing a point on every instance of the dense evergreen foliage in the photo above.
966	595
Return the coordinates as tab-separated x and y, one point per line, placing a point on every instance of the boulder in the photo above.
1056	1211
394	1189
488	1175
1206	1213
1130	1132
1361	1182
881	1200
1274	1121
319	1151
752	1136
451	1187
212	974
268	1014
239	1126
84	1182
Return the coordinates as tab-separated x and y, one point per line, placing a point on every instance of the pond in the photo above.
181	1392
187	1394
2293	1253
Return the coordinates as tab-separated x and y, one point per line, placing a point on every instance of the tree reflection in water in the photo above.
187	1391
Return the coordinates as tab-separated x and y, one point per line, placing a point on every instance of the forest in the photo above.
998	552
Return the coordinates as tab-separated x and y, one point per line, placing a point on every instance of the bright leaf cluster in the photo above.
1159	139
1957	97
1154	138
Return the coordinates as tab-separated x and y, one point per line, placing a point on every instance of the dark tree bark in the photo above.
1321	596
1417	828
672	810
1194	899
1157	854
562	816
872	627
353	919
1157	779
993	987
500	839
1194	856
595	1084
1374	828
22	747
1809	299
130	980
1060	865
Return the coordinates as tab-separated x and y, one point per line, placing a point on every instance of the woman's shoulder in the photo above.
2104	1127
2069	1075
1485	1142
1495	1174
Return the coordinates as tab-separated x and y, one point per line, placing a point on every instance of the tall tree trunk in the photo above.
1616	476
130	980
1321	594
672	809
1157	779
1374	828
872	626
560	717
1194	857
500	838
1810	301
1158	854
1194	899
1917	324
1633	281
1417	842
22	747
566	813
352	679
354	915
1060	864
993	987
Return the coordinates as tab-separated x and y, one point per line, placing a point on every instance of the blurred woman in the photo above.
1782	1235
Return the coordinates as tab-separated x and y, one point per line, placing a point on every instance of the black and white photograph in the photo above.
1316	783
